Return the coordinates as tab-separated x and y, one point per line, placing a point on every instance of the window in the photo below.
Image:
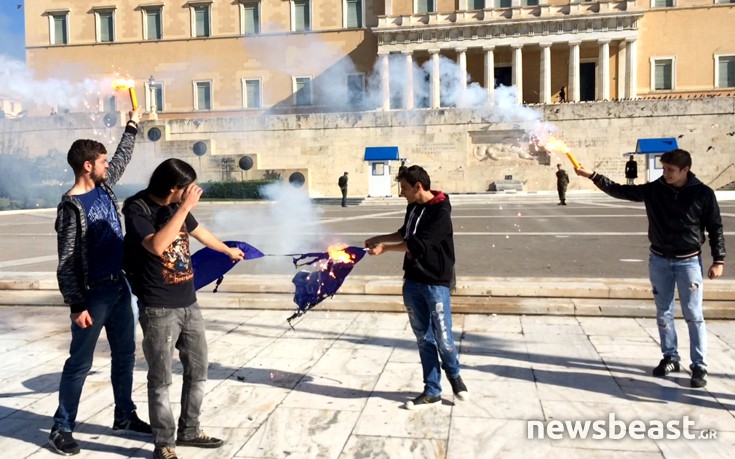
301	16
251	93
662	74
473	5
662	3
353	14
724	1
152	26
105	25
250	17
302	90
355	89
200	24
202	95
154	98
503	3
725	71
59	28
109	104
424	6
529	2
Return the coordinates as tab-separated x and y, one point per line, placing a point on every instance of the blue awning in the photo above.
653	146
381	153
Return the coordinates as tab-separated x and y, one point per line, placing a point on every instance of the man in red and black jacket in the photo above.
427	241
679	208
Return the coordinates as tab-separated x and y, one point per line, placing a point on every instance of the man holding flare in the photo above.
679	208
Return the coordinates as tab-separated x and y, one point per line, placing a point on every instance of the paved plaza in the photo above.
553	321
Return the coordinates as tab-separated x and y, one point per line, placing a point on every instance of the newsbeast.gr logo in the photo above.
615	429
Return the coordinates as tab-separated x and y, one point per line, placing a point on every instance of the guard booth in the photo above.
652	149
380	180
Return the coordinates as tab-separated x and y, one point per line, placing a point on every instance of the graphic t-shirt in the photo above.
104	234
167	280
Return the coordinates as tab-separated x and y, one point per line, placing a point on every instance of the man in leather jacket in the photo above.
679	208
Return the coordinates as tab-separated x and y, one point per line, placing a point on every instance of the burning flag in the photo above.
332	267
130	86
210	265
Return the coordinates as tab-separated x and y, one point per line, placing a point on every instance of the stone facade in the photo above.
464	151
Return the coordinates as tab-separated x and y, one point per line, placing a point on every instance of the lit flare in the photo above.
130	86
555	144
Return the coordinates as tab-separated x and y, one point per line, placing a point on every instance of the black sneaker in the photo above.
459	389
63	443
165	452
665	366
133	425
422	401
202	440
699	376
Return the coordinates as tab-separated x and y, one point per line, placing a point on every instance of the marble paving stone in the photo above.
234	439
362	446
489	324
389	418
703	411
610	326
486	402
381	321
493	438
273	372
332	391
493	343
491	368
305	349
383	337
233	404
301	432
368	360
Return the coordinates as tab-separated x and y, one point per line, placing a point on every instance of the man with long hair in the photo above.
90	245
159	222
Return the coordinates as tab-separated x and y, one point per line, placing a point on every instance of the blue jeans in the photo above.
166	329
430	316
685	276
110	307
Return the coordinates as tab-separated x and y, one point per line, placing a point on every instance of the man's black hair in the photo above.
414	175
84	150
679	158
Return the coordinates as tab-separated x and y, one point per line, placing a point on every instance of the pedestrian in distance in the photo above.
631	170
90	277
427	241
562	182
679	208
159	223
342	183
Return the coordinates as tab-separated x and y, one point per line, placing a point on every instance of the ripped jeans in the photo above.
430	316
668	275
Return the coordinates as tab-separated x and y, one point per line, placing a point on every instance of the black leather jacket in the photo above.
71	229
677	217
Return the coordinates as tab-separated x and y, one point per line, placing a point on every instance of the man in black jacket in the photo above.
679	208
631	171
90	246
342	183
426	238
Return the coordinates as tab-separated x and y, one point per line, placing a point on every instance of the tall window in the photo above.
425	6
155	96
109	104
529	2
200	20
59	28
301	16
473	5
251	93
725	71
202	95
503	3
153	27
353	14
302	91
105	25
250	17
662	3
355	89
662	74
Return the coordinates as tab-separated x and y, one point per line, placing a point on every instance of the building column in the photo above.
408	102
435	83
518	71
489	70
462	64
573	89
621	73
603	70
462	5
388	7
384	80
631	69
545	74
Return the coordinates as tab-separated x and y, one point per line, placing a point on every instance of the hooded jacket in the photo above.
71	228
677	217
427	230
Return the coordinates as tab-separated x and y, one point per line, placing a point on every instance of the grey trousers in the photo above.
166	329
